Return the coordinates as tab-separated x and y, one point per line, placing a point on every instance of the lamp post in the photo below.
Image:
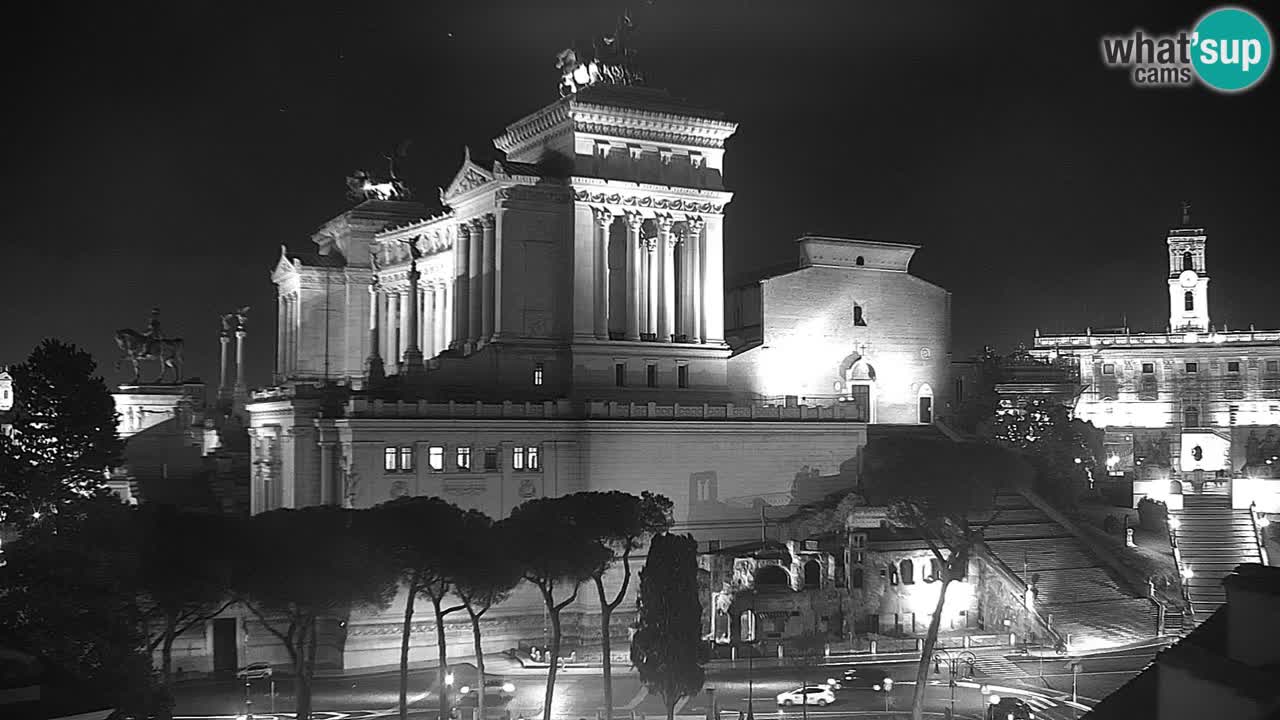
953	666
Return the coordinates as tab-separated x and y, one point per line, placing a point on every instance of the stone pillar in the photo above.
374	370
667	262
487	299
461	286
713	280
445	313
241	389
603	219
290	336
475	305
497	275
427	307
693	293
634	221
329	494
280	341
652	272
393	329
224	340
412	322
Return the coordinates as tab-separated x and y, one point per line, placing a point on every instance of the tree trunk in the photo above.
475	636
166	662
443	651
302	669
926	652
606	612
404	649
671	708
555	654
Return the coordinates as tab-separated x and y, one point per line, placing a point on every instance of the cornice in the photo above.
533	126
642	199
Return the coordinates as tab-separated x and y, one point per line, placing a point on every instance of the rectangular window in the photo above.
532	460
620	374
537	373
1148	368
435	458
389	456
682	376
491	458
406	459
1233	366
1193	367
1273	366
651	375
517	458
1109	369
463	458
858	540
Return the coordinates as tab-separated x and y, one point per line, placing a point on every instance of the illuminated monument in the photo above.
1195	405
558	324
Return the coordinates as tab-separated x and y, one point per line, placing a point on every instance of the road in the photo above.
578	691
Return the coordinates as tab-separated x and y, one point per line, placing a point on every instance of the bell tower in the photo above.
1188	277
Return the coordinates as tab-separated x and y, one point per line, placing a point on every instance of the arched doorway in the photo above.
812	575
924	403
859	381
772	577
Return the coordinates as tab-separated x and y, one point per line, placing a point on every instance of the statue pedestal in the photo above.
142	407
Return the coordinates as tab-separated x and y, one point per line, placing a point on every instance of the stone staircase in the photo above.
1212	539
1074	589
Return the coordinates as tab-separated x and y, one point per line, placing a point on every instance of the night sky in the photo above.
159	154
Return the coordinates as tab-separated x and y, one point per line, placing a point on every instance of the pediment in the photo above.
284	266
469	177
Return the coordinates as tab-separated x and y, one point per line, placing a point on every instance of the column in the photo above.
403	326
328	492
241	334
281	309
446	317
475	280
488	270
497	274
603	219
713	280
393	329
222	377
291	342
374	369
428	320
413	322
652	272
693	259
667	263
634	221
461	286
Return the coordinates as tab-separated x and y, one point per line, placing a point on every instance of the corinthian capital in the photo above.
488	221
464	229
603	216
665	223
694	225
634	221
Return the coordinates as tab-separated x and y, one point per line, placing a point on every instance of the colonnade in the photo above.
665	275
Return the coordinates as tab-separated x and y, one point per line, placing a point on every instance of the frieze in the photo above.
529	193
464	487
656	135
648	202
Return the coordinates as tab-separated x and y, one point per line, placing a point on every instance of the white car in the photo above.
819	695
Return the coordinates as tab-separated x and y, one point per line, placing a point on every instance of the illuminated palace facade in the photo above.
559	325
1195	406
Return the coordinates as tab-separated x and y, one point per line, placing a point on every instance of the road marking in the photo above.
639	698
680	705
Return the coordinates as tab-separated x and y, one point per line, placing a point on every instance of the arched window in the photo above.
772	577
1175	487
924	401
1191	417
908	572
857	316
812	575
857	578
1189	301
935	570
1188	261
859	262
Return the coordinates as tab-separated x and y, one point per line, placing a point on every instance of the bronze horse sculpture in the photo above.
136	347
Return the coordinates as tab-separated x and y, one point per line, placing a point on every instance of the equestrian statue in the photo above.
151	345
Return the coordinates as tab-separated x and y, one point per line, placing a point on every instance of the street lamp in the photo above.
953	666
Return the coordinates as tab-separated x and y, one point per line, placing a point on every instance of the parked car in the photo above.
819	695
1011	709
864	678
254	671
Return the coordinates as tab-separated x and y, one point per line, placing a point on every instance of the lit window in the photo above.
491	458
1193	367
1148	368
464	458
435	458
1233	366
532	460
893	577
651	375
389	459
682	376
406	458
1109	369
517	458
537	373
620	374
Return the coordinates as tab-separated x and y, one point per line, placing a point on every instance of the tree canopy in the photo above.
667	649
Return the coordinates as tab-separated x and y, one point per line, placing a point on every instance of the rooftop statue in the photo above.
611	62
151	345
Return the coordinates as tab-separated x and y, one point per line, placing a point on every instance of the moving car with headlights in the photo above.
819	695
494	689
253	671
864	678
1009	708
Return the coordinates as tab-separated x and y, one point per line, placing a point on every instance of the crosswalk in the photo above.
998	667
